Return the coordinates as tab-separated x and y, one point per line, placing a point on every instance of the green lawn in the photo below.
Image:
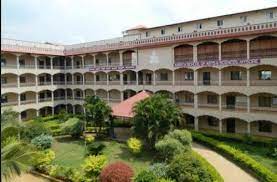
260	154
70	153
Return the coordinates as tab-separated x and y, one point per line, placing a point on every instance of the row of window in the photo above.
219	23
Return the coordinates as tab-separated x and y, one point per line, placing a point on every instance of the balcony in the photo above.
104	82
59	98
208	82
46	99
164	82
235	107
58	67
58	83
114	82
229	55
44	66
258	108
31	101
263	82
78	98
184	82
130	82
88	82
44	83
78	82
26	66
209	106
184	103
234	82
9	66
8	85
12	103
263	53
27	84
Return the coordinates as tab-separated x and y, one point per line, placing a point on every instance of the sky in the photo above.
77	21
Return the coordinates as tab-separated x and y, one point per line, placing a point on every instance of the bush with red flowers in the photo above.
115	172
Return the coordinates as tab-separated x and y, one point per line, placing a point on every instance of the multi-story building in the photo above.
222	71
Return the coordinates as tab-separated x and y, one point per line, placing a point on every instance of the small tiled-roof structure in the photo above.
125	108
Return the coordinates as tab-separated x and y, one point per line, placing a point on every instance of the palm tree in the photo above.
16	156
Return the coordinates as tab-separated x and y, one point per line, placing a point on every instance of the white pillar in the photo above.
219	78
83	61
107	56
18	100
37	112
94	79
219	51
220	102
94	62
122	96
107	79
18	81
108	97
53	111
137	78
154	78
248	48
36	62
37	98
73	82
17	61
72	62
248	77
51	63
52	98
195	101
248	103
248	128
83	79
36	77
173	77
121	58
195	79
194	53
196	128
121	78
220	126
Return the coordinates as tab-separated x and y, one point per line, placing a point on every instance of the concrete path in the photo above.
29	178
227	169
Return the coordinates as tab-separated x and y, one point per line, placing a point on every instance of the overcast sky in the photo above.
75	21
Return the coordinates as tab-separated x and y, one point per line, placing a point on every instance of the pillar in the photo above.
194	53
83	79
122	96
173	77
121	78
195	101
94	79
19	116
18	81
17	61
154	78
108	97
52	79
107	79
248	48
121	58
83	61
196	128
51	63
37	113
219	78
52	98
248	77
37	98
220	102
248	103
36	77
248	128
195	79
73	108
107	57
137	79
73	82
220	126
219	51
94	62
72	62
36	62
18	99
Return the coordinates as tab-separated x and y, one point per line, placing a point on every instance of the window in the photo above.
179	29
236	75
243	19
163	31
269	14
147	34
189	75
212	99
265	126
3	80
78	78
23	115
199	26
164	76
265	75
21	62
219	23
22	79
3	62
4	99
22	97
97	78
189	98
265	101
212	121
97	61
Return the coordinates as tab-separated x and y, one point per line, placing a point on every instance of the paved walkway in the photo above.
228	170
29	178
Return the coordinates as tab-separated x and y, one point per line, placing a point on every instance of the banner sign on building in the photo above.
111	68
218	63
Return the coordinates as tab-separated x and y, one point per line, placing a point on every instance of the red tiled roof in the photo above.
125	108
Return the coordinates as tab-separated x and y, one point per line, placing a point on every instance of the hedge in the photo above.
213	172
237	156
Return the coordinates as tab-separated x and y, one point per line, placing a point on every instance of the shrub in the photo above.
44	158
184	167
159	170
93	165
73	127
43	141
95	148
165	180
134	145
168	147
146	176
115	172
89	139
8	140
183	136
32	130
238	156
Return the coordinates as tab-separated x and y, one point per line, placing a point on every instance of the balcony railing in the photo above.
166	82
208	82
59	98
78	82
27	66
258	108
263	82
27	102
234	82
183	58
100	64
68	67
58	67
207	56
205	105
78	66
78	98
114	100
129	82
13	103
144	82
184	103
12	66
114	64
88	82
8	85
234	54
103	82
27	84
263	53
234	107
89	65
44	83
44	67
114	82
59	82
47	99
184	82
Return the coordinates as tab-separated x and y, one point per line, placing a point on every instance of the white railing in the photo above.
184	82
234	107
208	105
44	83
89	82
44	66
27	84
58	82
184	103
8	85
58	67
26	66
258	108
117	82
208	82
144	82
13	103
78	98
27	102
59	98
78	82
130	82
263	82
47	99
104	82
13	66
234	82
167	82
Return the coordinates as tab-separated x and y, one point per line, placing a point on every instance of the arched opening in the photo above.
128	93
208	100
127	57
207	51
234	125
114	78
26	61
59	62
45	111
45	96
145	77
8	60
234	101
184	98
234	75
69	108
207	122
129	77
114	59
88	60
59	108
166	93
78	94
263	102
77	62
44	79
28	97
69	94
234	49
263	75
44	62
68	62
114	96
89	78
101	78
163	77
59	94
28	114
184	76
102	94
79	109
59	79
89	92
263	47
101	60
208	76
264	128
8	80
188	121
78	79
68	79
27	80
9	99
183	53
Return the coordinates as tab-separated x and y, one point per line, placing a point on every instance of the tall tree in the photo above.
97	112
154	117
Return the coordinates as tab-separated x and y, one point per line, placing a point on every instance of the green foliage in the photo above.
168	147
134	145
63	116
93	165
95	148
185	167
154	117
97	112
239	157
146	176
182	136
44	158
9	140
165	180
33	129
10	125
73	127
122	123
89	138
43	141
159	170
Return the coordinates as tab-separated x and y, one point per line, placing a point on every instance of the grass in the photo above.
71	153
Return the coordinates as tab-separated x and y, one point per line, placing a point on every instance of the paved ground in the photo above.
228	170
29	178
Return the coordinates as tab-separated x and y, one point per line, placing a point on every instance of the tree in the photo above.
97	112
73	127
154	117
10	124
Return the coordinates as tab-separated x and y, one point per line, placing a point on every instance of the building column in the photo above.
94	79
52	98
37	98
194	53
196	128
73	79
120	58
220	102
195	101
220	126
18	81
19	117
107	57
248	48
73	109
72	62
83	61
51	63
83	79
53	111
173	78
36	77
94	62
107	79
248	128
137	80
52	79
37	113
121	78
219	78
18	100
248	104
36	62
108	97
248	77
219	51
122	96
154	78
195	79
17	61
